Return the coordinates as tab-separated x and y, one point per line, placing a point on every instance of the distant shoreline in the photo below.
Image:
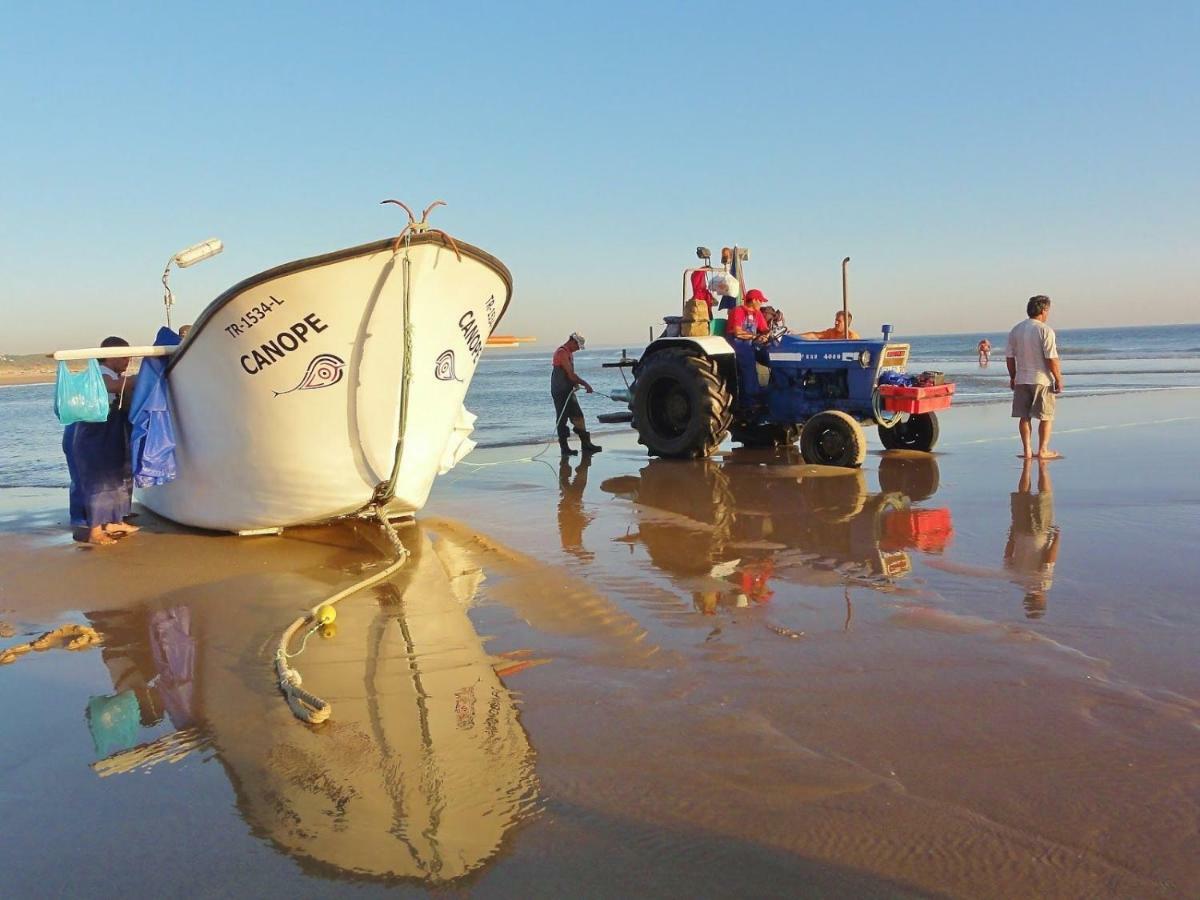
43	374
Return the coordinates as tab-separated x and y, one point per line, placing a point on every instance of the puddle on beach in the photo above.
742	676
420	774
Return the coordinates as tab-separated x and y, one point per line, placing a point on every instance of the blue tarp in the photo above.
152	436
897	378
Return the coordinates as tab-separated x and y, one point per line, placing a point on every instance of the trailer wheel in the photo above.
919	432
681	406
832	438
765	435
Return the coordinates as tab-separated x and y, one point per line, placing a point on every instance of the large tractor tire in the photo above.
681	405
917	432
832	438
764	435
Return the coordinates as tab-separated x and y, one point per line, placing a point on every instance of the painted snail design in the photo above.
443	368
324	370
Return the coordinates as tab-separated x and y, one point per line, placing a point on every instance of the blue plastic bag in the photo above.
896	378
114	721
80	396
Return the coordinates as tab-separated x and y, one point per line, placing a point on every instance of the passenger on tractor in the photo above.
747	332
776	326
834	333
700	290
725	284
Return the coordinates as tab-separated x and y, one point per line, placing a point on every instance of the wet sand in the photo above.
936	676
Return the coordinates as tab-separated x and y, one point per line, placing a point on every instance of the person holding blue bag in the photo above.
78	397
96	444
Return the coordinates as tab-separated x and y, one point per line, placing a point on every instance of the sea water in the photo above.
510	392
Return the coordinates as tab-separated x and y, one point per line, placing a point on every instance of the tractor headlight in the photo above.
864	359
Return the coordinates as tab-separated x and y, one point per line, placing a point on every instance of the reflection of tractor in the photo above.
683	399
696	516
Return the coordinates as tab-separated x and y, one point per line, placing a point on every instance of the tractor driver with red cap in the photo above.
746	332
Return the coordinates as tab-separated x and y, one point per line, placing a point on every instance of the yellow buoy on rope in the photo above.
305	705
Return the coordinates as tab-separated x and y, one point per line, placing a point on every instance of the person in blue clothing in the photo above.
75	502
98	459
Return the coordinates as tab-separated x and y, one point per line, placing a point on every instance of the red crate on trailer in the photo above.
915	399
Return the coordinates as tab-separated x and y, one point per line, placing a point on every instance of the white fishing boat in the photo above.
324	386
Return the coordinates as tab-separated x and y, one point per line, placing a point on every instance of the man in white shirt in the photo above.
1034	376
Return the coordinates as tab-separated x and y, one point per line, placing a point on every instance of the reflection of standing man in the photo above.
563	381
572	518
1033	540
1034	375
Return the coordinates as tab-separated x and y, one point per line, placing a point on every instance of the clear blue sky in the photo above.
965	155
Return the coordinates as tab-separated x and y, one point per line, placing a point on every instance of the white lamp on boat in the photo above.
184	258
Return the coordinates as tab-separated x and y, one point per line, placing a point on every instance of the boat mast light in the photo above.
198	252
184	258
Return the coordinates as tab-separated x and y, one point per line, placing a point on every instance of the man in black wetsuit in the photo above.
563	382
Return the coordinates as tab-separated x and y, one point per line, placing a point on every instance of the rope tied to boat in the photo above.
421	227
305	705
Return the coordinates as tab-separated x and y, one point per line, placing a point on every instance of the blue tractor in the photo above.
683	400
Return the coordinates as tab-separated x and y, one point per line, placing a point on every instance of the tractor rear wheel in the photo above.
832	438
765	435
681	405
918	432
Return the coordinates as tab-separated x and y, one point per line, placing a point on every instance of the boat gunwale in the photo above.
325	259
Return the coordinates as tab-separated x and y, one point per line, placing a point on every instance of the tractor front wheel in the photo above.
833	438
917	432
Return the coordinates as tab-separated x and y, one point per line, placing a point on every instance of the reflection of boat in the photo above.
696	518
426	766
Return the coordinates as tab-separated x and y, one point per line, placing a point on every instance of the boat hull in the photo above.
288	394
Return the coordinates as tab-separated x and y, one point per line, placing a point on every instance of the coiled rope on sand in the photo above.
305	705
68	637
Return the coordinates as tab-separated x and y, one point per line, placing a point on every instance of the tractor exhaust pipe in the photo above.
845	299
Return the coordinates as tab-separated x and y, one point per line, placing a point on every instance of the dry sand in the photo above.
741	677
27	376
41	373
